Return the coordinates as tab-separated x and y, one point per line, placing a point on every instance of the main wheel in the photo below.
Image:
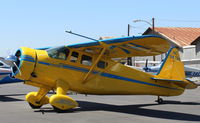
58	110
34	106
31	99
62	103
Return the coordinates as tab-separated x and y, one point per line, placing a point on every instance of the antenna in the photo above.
70	32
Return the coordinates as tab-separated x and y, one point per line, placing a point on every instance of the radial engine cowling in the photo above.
26	60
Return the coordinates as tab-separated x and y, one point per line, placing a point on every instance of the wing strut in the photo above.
70	32
96	61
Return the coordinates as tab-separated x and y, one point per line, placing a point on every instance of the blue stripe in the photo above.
165	60
111	41
27	57
44	63
139	46
76	68
27	60
125	50
167	80
112	47
106	75
135	81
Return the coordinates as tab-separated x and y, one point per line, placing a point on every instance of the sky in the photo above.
42	23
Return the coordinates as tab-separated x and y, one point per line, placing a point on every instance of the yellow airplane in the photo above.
88	68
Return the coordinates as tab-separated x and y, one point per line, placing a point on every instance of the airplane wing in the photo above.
148	45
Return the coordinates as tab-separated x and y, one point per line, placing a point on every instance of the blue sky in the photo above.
42	23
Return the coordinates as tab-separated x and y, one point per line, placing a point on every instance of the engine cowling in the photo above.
26	60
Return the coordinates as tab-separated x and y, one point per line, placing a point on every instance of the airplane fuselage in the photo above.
114	79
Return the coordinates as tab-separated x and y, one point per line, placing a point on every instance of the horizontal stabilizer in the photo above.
167	80
188	84
191	85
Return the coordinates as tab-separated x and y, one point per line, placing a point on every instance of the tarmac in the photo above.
100	109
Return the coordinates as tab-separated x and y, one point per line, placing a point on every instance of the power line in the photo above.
174	20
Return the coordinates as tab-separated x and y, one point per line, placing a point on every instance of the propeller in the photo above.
11	60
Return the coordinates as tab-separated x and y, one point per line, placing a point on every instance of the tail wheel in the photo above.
159	100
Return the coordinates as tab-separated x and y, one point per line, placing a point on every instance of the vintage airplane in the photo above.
88	68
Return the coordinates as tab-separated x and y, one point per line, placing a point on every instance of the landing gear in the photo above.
34	106
159	100
37	99
60	101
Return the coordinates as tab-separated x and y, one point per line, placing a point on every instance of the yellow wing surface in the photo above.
148	45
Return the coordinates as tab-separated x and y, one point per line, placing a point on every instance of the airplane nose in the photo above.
25	60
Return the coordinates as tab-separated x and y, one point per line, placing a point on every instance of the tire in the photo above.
34	106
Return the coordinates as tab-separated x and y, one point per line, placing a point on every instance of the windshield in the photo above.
58	52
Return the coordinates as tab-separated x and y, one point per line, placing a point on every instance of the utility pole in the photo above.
129	59
153	28
153	24
129	26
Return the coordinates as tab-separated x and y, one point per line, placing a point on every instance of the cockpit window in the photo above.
58	52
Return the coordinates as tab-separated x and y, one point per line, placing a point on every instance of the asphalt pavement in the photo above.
100	109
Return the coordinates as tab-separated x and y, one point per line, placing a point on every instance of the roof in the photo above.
195	41
182	36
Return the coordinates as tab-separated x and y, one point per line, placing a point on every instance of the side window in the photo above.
86	60
74	57
102	64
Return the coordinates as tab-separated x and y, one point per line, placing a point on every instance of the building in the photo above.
186	39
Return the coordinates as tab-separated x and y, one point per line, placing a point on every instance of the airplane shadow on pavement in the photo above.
139	109
10	98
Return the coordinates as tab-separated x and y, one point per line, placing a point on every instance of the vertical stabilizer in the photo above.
172	68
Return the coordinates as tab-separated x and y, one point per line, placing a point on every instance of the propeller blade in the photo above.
17	68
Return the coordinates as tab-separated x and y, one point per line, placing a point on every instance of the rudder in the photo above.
172	68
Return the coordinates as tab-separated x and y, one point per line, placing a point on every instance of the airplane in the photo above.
88	68
5	74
